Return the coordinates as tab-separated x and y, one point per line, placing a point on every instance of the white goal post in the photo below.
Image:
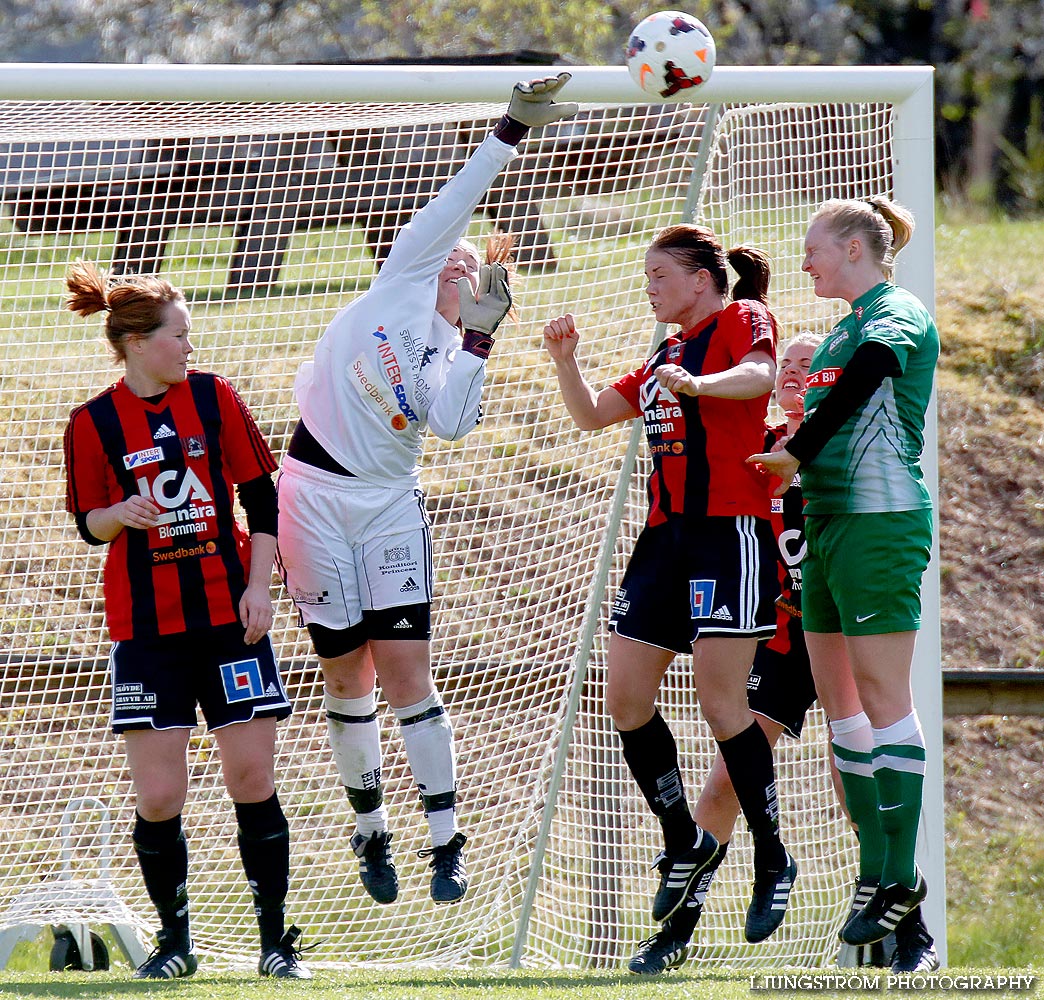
267	193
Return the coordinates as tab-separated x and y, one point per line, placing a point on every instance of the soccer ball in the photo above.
670	54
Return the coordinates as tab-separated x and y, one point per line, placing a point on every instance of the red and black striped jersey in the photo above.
185	451
788	525
699	444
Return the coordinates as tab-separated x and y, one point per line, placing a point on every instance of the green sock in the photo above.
899	793
861	803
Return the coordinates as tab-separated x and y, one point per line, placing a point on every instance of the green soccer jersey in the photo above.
873	463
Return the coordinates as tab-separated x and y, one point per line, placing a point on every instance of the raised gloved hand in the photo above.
532	103
482	311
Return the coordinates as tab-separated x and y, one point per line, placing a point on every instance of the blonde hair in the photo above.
806	337
134	303
884	226
500	249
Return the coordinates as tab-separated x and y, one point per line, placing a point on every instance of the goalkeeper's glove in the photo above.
482	311
532	103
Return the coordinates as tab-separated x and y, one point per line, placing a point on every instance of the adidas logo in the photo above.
409	586
402	623
271	691
723	613
163	431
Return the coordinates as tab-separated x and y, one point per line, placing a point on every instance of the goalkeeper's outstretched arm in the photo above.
423	244
456	410
401	305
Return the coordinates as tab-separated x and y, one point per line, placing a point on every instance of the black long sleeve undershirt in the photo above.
260	504
871	363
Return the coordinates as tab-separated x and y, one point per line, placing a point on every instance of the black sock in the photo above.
748	759
264	846
163	858
652	756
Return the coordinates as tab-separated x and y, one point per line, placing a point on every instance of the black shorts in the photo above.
158	682
411	621
693	577
780	685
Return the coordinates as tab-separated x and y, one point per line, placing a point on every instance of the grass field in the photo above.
685	984
988	294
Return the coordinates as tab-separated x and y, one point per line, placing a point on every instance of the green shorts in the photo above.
861	574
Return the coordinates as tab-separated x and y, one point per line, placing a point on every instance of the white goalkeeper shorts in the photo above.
346	546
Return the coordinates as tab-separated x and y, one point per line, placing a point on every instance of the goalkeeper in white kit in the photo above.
354	536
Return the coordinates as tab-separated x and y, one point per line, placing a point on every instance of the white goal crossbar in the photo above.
442	84
266	192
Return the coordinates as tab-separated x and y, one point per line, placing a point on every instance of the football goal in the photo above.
270	195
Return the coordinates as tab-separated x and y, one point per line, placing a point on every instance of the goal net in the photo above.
270	216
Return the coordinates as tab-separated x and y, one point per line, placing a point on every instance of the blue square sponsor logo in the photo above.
242	680
701	597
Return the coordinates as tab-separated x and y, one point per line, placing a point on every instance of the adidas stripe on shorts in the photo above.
696	576
347	547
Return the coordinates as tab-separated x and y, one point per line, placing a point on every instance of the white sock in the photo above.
853	734
428	736
907	731
372	822
443	824
904	733
355	740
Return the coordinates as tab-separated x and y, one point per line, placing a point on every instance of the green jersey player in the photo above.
867	508
872	463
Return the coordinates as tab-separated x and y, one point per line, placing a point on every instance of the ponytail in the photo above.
754	270
900	220
884	226
86	286
134	303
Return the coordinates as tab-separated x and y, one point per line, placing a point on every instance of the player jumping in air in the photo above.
702	576
780	689
355	540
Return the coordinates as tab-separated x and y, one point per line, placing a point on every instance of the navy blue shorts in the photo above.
693	577
780	685
157	682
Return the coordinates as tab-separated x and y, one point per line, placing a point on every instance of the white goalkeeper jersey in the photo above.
388	365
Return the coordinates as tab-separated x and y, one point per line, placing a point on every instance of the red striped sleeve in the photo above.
87	486
630	388
751	327
248	453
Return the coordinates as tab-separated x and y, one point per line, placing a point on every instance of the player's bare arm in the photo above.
752	377
590	410
255	606
105	523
